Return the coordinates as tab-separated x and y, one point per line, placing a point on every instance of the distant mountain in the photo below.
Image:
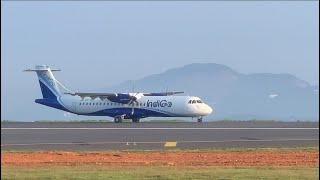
234	95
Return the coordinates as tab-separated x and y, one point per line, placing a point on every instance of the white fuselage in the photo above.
170	106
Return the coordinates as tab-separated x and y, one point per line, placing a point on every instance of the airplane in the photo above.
120	106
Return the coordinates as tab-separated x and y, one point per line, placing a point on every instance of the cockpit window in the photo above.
194	101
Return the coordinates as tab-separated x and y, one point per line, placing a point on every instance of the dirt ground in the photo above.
162	158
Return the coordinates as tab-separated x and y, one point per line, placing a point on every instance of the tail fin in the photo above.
50	87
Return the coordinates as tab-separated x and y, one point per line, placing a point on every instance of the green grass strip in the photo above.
160	172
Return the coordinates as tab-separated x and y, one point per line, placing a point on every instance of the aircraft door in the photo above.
74	106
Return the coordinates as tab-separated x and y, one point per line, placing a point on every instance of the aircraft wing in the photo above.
163	93
94	95
103	96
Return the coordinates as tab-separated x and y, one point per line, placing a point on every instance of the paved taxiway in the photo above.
111	136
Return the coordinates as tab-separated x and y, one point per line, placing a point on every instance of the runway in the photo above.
81	136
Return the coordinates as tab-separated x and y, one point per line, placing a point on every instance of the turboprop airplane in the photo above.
134	106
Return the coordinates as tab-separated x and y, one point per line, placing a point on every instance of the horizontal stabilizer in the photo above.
41	68
32	70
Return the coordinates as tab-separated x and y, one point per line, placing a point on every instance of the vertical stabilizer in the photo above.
50	87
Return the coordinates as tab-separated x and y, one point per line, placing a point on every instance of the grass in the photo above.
125	120
8	121
252	120
265	121
159	172
167	120
74	121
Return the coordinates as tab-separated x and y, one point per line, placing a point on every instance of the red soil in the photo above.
165	158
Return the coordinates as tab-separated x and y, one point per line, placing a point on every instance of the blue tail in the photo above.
46	92
50	87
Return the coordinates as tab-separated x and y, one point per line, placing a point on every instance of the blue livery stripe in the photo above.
46	92
51	102
138	113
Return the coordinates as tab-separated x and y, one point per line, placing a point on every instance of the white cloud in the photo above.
273	95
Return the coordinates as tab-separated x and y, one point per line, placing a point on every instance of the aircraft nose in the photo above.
208	110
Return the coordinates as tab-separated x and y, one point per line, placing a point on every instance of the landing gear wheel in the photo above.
200	119
118	120
136	120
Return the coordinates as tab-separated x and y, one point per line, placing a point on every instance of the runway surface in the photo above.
125	136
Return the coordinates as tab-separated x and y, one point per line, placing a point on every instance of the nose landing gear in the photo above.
200	119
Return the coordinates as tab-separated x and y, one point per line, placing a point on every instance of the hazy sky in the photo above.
100	44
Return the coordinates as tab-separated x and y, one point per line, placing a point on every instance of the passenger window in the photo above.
100	104
104	103
86	103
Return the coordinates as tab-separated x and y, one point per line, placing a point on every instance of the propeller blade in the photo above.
133	100
132	110
138	104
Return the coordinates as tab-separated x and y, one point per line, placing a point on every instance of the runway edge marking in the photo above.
170	144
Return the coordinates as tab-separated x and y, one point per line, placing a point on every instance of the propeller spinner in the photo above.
134	100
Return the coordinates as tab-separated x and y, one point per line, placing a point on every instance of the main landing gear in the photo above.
135	120
200	119
119	119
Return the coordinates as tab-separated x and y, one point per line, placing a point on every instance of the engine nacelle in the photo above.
120	98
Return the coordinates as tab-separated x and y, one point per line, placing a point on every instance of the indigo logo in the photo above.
162	103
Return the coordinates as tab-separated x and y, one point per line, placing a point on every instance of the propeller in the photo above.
134	100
